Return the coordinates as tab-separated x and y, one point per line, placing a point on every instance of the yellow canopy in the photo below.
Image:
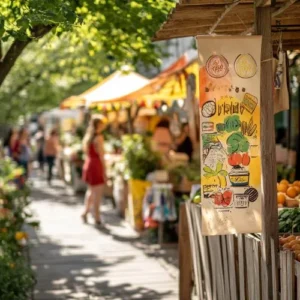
117	85
168	85
174	87
72	102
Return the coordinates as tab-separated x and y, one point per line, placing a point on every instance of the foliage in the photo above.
140	159
16	277
289	220
87	41
113	144
190	171
285	172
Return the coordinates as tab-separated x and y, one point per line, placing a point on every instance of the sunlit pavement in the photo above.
77	261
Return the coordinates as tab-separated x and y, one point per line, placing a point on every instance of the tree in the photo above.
121	29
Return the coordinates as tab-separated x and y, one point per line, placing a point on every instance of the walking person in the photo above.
184	142
94	169
22	152
10	142
40	141
50	152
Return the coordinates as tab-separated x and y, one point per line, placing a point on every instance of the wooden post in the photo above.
185	261
269	204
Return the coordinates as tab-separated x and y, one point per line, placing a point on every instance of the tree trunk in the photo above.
15	50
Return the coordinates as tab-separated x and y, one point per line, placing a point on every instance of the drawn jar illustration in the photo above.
239	176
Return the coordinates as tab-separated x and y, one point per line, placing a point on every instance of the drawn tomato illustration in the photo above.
227	197
235	159
246	159
218	199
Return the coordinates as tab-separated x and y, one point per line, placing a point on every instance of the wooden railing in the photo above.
230	267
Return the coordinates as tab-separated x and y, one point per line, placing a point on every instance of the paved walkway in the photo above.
77	261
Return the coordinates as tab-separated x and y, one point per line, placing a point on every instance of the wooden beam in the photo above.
206	22
276	13
283	8
228	8
268	156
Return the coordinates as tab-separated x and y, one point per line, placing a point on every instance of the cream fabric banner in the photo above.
230	134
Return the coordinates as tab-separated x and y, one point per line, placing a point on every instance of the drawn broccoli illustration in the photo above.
236	142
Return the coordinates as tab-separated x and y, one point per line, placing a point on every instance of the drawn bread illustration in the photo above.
208	109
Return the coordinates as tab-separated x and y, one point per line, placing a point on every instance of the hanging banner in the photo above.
230	134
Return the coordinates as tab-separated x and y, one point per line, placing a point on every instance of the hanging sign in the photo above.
230	134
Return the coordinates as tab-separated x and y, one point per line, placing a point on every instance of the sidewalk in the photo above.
77	261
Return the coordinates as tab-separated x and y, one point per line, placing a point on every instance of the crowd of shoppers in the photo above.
18	147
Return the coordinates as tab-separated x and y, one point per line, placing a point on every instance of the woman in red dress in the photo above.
94	169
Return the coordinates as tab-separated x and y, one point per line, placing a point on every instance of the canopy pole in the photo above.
269	250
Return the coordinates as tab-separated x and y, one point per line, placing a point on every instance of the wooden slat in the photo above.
232	268
204	256
192	241
290	275
250	269
185	263
256	262
220	268
283	290
275	258
226	266
198	263
242	279
297	267
213	271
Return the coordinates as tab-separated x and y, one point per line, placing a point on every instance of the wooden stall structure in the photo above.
250	262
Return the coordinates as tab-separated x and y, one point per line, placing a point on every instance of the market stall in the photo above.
231	261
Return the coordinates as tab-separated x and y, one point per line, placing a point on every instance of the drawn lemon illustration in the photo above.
245	66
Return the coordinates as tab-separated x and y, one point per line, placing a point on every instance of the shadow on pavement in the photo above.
82	276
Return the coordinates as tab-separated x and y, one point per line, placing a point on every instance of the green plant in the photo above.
140	159
16	276
191	171
285	172
289	220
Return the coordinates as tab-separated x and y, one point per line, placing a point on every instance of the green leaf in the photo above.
2	22
207	169
223	173
219	167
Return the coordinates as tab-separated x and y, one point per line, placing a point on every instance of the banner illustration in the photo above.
230	134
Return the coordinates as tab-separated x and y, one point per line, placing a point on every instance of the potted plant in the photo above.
140	160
